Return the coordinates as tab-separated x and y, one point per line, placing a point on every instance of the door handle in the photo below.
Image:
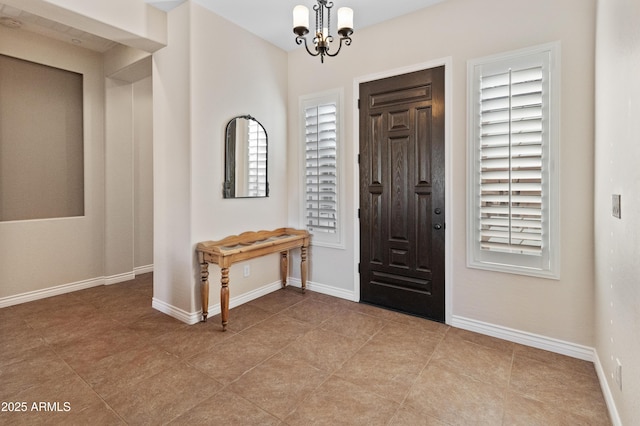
437	226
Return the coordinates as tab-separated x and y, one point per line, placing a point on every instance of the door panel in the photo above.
402	193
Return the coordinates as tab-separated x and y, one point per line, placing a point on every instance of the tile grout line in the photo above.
279	352
331	374
424	367
80	377
508	387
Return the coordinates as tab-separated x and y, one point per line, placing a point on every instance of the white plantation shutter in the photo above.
511	161
513	207
257	152
321	196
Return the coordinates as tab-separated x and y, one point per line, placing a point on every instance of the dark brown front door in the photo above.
402	193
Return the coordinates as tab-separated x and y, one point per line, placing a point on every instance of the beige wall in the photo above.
463	30
119	229
210	72
617	172
41	258
143	173
172	250
128	164
40	254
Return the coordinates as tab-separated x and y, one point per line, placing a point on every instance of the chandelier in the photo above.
323	37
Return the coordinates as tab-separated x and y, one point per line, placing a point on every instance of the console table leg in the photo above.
303	267
284	267
224	298
204	289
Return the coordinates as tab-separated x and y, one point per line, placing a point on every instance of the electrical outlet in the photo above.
615	206
619	373
246	271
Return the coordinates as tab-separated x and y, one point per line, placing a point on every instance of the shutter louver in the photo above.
257	152
511	139
321	168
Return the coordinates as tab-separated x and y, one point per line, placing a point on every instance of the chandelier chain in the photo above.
329	21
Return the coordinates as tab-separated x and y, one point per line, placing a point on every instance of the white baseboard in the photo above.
118	278
525	338
195	317
614	416
139	270
177	313
325	289
31	296
247	297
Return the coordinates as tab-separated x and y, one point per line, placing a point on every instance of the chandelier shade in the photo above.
322	39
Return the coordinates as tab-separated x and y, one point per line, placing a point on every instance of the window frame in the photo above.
331	240
547	264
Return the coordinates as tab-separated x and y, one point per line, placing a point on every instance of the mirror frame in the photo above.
228	190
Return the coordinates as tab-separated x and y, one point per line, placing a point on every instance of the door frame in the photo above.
448	179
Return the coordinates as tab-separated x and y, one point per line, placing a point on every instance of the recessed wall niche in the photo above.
41	141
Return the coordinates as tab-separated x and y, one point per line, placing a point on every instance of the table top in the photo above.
248	241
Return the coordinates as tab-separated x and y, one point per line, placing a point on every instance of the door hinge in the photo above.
358	158
358	103
358	267
358	213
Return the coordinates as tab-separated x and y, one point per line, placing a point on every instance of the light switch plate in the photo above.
619	373
615	206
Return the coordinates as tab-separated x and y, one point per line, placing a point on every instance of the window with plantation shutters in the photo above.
512	149
320	123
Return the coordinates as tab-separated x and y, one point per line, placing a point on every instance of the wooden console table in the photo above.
245	246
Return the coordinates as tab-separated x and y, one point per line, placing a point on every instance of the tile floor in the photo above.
103	356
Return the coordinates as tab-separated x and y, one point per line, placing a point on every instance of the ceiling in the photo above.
270	20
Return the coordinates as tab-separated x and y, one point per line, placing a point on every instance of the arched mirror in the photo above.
245	167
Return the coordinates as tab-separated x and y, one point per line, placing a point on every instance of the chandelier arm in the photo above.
300	40
347	42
